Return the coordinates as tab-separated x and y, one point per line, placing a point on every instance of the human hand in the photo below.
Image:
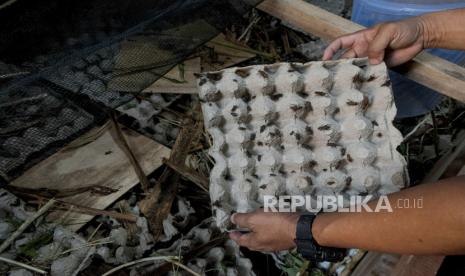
269	231
395	42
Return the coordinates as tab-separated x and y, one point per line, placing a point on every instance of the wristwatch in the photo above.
309	248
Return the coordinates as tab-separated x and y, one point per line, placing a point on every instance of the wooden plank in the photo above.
310	18
457	166
462	171
410	265
180	79
183	81
143	59
227	54
98	162
157	204
434	72
376	264
348	265
200	180
444	162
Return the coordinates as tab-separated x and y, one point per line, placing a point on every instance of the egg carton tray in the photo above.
319	128
90	75
36	121
141	114
225	259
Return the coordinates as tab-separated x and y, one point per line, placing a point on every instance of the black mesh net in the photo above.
64	64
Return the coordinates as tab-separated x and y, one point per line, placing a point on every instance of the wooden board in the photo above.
462	171
99	162
179	80
444	163
143	59
376	264
227	54
410	265
434	72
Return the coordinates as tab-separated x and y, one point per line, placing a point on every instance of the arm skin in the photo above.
437	229
445	29
399	41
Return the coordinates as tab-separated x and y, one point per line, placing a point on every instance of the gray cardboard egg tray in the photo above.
225	259
141	115
35	121
90	76
319	128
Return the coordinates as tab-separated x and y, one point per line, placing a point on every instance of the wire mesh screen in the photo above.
64	64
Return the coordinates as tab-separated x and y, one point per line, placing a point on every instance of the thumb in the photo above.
241	219
245	240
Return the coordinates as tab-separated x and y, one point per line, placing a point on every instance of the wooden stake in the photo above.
436	73
192	175
157	205
118	136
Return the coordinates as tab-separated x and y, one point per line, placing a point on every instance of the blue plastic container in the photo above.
412	99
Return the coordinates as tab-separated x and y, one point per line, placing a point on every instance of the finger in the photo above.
246	240
377	47
241	219
235	235
401	56
361	49
342	42
349	54
332	49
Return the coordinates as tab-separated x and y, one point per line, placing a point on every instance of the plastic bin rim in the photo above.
414	8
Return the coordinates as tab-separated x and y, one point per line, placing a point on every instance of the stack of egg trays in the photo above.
37	120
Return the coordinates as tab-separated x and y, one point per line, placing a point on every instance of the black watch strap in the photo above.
309	248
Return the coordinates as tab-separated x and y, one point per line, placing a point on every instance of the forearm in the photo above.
444	29
436	228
